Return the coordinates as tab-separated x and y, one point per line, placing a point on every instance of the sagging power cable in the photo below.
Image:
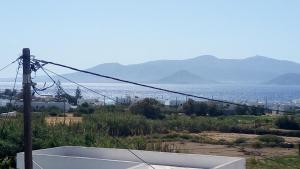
153	87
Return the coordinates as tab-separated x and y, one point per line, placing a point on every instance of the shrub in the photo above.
287	122
85	108
6	163
240	140
53	111
271	139
256	144
148	107
192	107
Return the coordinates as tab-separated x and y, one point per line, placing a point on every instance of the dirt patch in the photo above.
230	137
224	150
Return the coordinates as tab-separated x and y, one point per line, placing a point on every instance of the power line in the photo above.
15	81
9	64
152	87
105	96
135	83
43	69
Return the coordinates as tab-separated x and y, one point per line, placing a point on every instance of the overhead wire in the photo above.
117	140
15	81
156	88
78	84
9	64
148	86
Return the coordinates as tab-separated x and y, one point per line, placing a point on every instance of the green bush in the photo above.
6	163
240	140
148	107
271	139
287	122
85	108
192	107
53	111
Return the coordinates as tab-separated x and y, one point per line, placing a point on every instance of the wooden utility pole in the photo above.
27	108
64	111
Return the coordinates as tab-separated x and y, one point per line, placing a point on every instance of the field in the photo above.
250	137
222	135
287	162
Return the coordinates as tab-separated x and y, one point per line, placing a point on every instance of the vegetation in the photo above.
145	125
287	162
287	122
148	107
85	108
192	107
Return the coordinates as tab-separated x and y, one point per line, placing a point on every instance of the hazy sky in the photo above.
85	33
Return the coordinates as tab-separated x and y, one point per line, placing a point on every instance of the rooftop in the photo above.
73	157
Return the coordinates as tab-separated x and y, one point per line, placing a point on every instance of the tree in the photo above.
78	94
148	107
213	110
287	122
194	107
241	110
9	92
59	91
85	108
259	110
201	109
188	107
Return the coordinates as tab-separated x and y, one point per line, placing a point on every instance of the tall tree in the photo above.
78	94
59	95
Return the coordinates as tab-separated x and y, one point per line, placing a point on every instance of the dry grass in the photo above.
230	137
224	150
69	119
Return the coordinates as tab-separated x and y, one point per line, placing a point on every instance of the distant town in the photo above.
10	98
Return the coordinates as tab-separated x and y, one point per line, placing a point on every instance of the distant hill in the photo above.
184	77
257	69
286	79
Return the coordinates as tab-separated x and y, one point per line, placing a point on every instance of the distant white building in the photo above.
46	98
73	157
9	114
44	105
176	102
123	100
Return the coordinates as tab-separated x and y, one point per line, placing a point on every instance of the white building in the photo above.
70	157
124	100
176	102
9	114
43	105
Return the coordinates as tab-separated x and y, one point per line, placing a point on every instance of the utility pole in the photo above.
27	108
64	111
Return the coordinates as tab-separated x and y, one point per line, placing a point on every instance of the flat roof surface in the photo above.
75	157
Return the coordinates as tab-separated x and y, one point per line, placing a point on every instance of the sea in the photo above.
231	92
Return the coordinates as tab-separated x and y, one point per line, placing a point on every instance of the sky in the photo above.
90	32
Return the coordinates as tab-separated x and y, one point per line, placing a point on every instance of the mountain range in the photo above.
286	79
205	69
201	69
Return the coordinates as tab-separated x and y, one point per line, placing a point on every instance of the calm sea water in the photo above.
231	92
